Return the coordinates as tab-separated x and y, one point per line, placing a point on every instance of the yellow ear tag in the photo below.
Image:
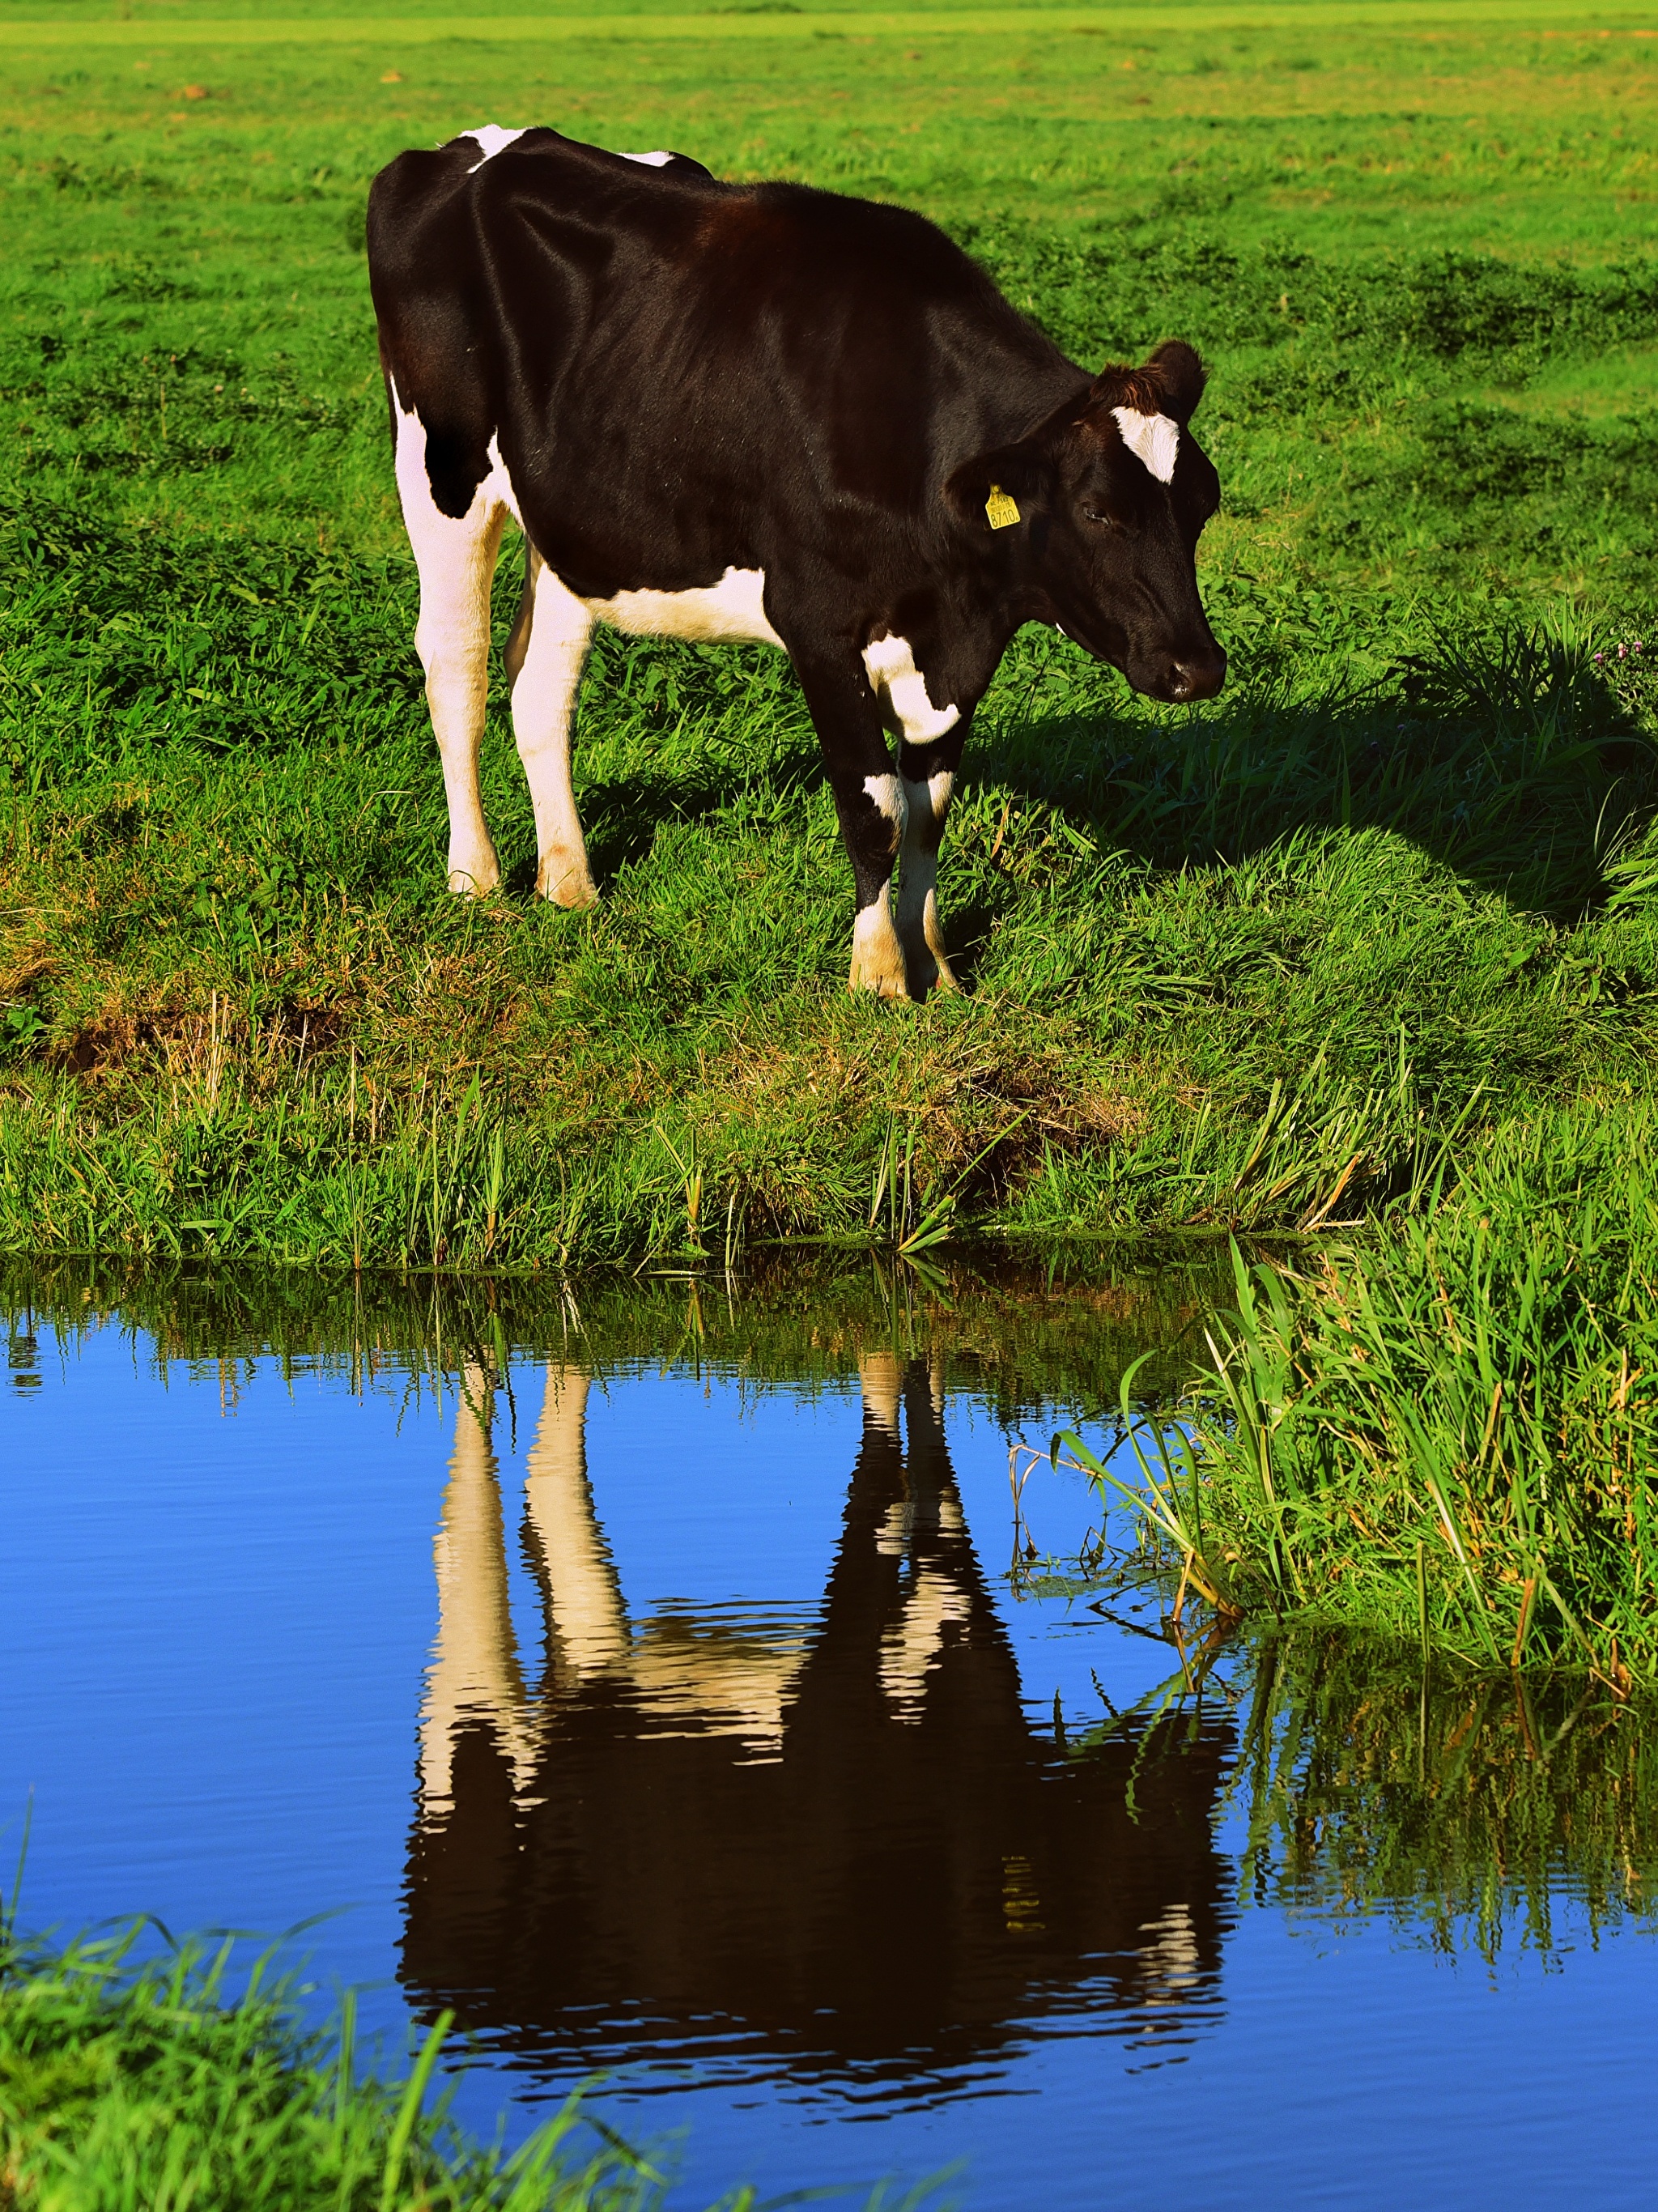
1001	512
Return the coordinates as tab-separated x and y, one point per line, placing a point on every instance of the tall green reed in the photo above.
1451	1433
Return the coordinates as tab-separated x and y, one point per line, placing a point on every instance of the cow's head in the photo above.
1111	492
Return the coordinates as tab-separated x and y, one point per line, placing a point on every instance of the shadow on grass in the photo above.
623	814
1514	758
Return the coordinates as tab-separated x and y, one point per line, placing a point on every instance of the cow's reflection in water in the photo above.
837	1848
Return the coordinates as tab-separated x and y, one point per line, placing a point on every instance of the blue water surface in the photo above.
218	1607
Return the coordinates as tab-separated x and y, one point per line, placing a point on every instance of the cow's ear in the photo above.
1170	383
1180	376
981	489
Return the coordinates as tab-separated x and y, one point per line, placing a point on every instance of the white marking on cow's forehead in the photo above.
889	663
658	160
1152	439
494	139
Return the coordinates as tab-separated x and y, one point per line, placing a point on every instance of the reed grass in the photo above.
1449	1434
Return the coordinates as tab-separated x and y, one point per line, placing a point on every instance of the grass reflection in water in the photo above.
1468	1810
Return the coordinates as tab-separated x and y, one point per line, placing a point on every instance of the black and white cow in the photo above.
765	412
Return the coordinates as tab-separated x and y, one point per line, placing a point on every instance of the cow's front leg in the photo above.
544	659
928	775
872	824
869	798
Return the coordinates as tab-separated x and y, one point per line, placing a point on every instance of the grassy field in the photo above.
1243	964
1374	933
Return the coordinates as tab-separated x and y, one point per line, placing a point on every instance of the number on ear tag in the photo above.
1001	512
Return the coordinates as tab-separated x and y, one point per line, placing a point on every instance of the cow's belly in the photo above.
733	610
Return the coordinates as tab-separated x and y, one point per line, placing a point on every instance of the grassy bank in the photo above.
1254	965
1449	1436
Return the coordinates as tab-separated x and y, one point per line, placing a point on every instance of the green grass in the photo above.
1450	1437
127	2083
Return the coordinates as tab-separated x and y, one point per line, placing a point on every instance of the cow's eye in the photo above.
1095	514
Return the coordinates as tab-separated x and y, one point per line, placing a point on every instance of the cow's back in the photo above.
633	334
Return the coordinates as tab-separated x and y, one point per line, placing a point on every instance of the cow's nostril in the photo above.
1197	679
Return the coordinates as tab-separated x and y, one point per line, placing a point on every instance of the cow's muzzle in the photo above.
1198	676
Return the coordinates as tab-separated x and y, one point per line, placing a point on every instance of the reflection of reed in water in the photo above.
843	1844
1466	1810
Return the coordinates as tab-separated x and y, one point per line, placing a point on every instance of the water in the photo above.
669	1686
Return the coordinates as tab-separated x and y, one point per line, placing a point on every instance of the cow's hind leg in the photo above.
928	774
544	661
455	559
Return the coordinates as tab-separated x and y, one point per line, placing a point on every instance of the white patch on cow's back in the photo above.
656	161
494	139
733	610
1152	439
889	663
